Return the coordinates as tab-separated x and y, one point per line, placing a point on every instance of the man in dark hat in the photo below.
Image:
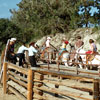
32	50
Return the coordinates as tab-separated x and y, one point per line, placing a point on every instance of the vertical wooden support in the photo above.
30	85
48	61
4	77
96	90
38	93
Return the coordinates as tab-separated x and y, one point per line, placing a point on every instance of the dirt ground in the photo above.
6	96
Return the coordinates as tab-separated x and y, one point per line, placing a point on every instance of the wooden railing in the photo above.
37	83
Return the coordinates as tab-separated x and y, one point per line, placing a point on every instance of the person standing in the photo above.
10	51
32	50
20	54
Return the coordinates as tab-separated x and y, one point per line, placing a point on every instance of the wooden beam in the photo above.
17	76
66	93
4	77
38	76
66	74
96	90
30	85
39	92
17	81
39	97
72	69
17	68
21	97
63	83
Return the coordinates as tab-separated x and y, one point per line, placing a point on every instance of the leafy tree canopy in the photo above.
7	31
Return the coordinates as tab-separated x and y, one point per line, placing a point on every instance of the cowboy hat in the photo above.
13	39
48	38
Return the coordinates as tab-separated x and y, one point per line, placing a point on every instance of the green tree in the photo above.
42	17
7	31
87	17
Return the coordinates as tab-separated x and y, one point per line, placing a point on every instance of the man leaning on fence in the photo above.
10	51
32	50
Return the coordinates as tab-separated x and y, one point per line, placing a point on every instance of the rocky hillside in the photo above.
85	33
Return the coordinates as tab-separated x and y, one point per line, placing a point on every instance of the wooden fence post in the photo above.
38	94
96	90
4	77
30	85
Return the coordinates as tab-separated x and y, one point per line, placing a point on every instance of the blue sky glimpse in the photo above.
5	5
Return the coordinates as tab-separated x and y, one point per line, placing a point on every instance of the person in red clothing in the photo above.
93	47
63	48
93	50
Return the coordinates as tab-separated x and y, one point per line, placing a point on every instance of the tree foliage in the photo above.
42	17
7	31
89	13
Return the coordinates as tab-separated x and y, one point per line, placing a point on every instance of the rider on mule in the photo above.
47	45
93	50
78	44
63	48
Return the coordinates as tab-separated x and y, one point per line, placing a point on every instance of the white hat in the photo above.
13	39
48	38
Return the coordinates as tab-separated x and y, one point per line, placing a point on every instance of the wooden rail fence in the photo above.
37	83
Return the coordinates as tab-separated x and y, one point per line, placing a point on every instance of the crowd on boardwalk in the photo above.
32	49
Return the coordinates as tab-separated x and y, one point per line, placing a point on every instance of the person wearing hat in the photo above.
31	52
47	45
48	42
20	53
10	51
63	47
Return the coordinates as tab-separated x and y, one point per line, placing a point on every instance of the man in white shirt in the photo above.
20	54
32	50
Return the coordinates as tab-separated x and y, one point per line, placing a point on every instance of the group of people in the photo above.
32	50
12	56
78	44
92	47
